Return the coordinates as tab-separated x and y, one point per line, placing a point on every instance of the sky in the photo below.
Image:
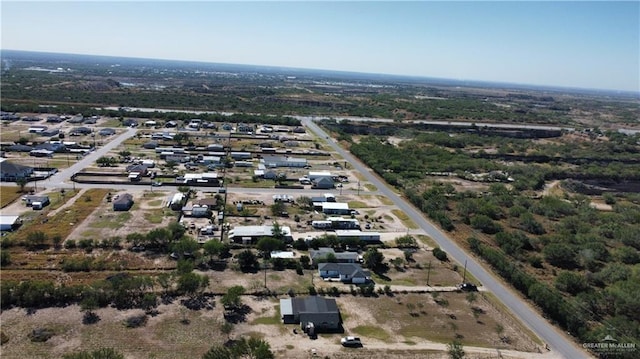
579	44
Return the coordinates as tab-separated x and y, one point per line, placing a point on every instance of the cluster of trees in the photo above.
235	349
592	256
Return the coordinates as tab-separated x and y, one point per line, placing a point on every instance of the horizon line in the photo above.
477	82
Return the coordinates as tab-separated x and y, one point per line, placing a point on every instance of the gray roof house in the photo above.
320	313
123	202
107	132
322	183
321	254
12	171
19	148
346	272
79	131
283	161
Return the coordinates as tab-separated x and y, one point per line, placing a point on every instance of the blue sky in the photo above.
571	44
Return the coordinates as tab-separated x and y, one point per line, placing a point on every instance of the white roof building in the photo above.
319	174
250	234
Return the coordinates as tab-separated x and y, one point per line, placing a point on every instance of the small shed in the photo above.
8	222
123	202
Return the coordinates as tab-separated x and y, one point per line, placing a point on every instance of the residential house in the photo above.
54	119
123	202
313	175
41	153
37	129
50	132
314	312
338	208
19	148
251	234
107	132
320	255
52	146
129	122
150	145
283	161
357	234
12	171
241	155
322	183
345	272
80	131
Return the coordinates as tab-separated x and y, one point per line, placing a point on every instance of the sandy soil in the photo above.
164	337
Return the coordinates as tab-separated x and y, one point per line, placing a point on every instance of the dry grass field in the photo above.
402	326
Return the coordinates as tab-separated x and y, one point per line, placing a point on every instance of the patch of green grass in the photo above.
404	219
426	240
371	331
409	342
357	204
154	216
289	346
65	221
155	203
112	220
272	320
370	187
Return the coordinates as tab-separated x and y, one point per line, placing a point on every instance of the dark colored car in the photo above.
468	287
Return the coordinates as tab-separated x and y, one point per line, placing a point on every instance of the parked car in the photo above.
156	184
351	342
468	287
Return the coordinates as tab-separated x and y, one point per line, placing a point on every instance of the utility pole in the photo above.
464	276
358	188
264	263
428	272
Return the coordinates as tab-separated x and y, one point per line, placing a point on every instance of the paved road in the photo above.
58	180
556	340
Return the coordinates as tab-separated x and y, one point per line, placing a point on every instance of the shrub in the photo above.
40	335
440	254
136	321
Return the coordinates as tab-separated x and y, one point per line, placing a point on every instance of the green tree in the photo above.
5	258
268	245
305	202
102	353
190	283
233	298
560	255
36	240
213	248
373	259
570	282
247	261
21	182
252	348
277	208
440	254
455	350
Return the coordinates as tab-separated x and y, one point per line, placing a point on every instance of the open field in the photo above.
375	320
9	194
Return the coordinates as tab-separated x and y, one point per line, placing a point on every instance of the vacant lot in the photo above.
418	320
